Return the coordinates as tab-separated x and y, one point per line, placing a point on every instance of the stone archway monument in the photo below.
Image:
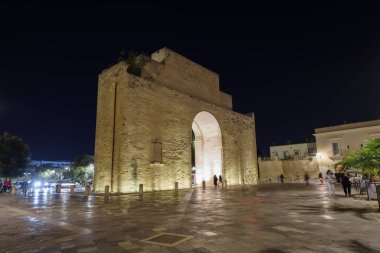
148	120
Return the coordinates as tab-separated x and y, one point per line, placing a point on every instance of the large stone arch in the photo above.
208	147
143	127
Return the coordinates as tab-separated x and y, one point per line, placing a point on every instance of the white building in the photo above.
38	163
292	151
334	142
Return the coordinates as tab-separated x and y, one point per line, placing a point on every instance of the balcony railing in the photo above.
343	152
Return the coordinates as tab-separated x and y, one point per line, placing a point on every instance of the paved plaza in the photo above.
264	218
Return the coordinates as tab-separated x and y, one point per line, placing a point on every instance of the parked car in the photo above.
66	183
39	184
52	184
18	184
354	174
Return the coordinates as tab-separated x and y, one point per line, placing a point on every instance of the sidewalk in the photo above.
263	218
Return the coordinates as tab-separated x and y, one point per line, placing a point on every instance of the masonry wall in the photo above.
177	72
145	112
293	170
270	170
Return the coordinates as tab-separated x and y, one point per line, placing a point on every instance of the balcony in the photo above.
343	152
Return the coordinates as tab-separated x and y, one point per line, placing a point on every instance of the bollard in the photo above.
203	184
13	190
87	190
141	188
378	195
106	190
176	186
225	183
58	188
71	188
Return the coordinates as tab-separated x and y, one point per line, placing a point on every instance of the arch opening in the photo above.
207	149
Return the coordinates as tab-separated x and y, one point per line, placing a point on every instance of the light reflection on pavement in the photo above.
264	218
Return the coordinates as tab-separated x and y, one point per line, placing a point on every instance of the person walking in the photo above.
215	180
307	177
282	178
320	178
25	187
220	181
331	180
346	183
5	185
9	185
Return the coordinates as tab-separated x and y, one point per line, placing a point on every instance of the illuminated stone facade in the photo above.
292	170
146	126
335	142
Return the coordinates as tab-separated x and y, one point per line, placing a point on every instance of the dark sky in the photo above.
296	65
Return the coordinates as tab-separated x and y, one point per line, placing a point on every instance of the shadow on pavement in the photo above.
359	247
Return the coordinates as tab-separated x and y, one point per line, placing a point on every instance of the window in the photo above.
157	152
335	147
286	155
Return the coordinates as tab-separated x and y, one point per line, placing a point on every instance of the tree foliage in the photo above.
367	159
83	161
81	169
135	61
122	56
14	155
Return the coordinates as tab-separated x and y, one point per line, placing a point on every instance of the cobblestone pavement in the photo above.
265	218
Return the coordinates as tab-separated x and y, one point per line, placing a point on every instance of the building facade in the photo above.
169	123
335	142
292	151
38	163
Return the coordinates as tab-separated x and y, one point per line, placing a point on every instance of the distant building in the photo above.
335	142
37	163
292	151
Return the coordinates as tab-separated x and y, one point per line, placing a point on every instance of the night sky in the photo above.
296	65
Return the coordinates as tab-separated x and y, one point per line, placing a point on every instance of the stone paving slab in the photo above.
263	218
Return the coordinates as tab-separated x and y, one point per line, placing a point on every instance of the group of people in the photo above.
345	181
5	186
330	181
216	183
